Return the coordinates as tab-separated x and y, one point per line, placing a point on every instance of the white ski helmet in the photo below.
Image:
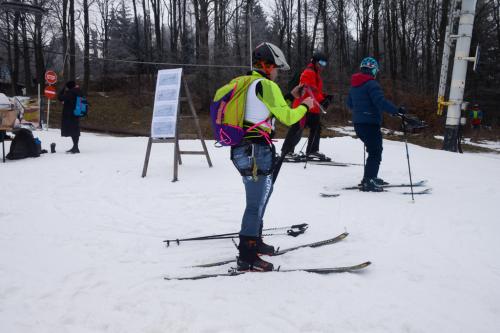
271	54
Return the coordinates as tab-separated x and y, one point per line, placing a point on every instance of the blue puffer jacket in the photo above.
366	100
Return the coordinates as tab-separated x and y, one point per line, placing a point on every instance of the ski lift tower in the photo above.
463	41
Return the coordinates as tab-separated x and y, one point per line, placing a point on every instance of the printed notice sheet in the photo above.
168	86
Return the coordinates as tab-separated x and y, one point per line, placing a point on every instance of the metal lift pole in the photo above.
458	77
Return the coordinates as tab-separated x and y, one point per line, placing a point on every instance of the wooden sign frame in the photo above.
177	152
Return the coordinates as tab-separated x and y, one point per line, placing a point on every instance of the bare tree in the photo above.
72	42
15	62
157	15
105	8
38	45
26	56
376	27
496	17
137	45
86	45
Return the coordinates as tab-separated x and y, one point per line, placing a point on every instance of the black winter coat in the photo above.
70	125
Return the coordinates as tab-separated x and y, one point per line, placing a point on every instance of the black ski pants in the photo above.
295	134
372	138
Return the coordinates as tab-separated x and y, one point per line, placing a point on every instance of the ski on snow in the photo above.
333	163
279	252
425	191
321	162
416	184
234	272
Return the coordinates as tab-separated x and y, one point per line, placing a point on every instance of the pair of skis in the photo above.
321	162
417	184
278	252
234	272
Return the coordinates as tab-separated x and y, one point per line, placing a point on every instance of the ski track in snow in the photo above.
81	243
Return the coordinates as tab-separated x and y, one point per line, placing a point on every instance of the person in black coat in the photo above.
70	124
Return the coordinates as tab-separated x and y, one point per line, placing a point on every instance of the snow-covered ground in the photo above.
349	130
493	145
81	243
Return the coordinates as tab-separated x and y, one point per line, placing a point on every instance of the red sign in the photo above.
50	77
50	92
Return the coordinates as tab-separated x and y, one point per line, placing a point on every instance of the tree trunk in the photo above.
428	49
315	28
305	30
15	63
184	32
72	44
299	34
496	15
442	26
86	46
236	30
64	28
38	44
196	6
365	24
376	27
9	53
28	82
137	44
324	18
155	5
147	34
402	43
204	30
343	57
248	24
394	33
173	26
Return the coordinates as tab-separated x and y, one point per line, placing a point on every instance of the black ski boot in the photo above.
380	181
369	185
317	156
263	248
248	260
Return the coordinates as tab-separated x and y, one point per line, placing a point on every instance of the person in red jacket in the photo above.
311	86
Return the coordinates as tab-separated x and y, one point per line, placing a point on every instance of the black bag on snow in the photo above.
23	145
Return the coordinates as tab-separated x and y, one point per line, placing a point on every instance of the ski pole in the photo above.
291	231
301	149
285	150
364	155
407	155
316	132
320	107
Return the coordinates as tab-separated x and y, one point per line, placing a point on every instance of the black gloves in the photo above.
327	101
401	111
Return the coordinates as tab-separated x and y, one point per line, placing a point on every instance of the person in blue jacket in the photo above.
367	103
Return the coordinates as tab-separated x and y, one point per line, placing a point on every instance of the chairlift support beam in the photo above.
459	74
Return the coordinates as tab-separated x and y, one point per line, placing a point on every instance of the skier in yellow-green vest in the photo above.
254	157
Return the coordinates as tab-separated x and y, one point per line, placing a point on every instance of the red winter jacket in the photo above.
313	87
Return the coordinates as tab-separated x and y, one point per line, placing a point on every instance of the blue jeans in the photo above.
372	138
255	163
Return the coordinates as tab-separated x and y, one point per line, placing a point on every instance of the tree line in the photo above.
98	40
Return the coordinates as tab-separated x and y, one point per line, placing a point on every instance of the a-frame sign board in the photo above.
166	115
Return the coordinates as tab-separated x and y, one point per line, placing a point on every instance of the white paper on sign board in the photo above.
168	85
